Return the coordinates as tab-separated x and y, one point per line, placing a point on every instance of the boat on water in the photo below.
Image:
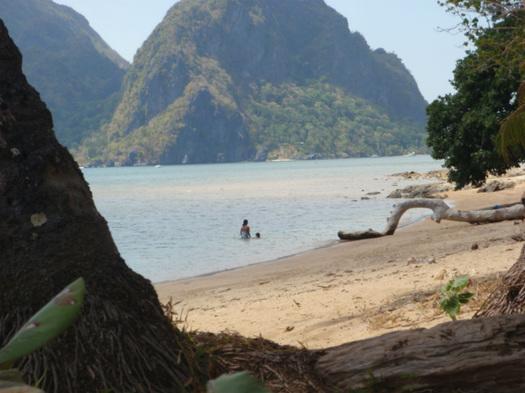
411	154
282	160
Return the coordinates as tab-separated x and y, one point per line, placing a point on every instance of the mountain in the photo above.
76	72
232	80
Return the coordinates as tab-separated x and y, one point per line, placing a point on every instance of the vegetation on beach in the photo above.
454	295
463	127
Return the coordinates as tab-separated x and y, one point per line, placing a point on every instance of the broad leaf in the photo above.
465	297
460	282
236	383
451	306
46	324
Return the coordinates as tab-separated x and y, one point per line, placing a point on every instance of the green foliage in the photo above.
479	16
463	126
236	383
511	137
46	324
454	295
78	75
271	68
320	118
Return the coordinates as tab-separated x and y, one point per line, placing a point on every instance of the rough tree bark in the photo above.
476	356
50	234
509	296
441	211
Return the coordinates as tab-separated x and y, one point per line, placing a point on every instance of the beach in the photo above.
351	291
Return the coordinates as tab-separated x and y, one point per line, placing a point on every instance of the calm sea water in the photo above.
180	221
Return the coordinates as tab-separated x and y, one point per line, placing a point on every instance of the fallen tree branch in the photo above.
441	211
471	356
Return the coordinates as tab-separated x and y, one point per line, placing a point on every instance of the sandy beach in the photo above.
352	291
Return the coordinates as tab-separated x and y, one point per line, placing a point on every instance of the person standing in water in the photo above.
245	230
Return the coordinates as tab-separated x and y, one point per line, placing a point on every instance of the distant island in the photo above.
78	75
222	81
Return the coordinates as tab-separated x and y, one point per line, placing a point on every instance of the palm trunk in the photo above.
509	296
50	234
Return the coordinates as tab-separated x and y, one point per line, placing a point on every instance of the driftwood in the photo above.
480	355
441	211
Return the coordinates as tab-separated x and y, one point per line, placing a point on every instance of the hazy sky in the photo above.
406	27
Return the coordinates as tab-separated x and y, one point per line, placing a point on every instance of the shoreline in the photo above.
88	165
329	244
349	291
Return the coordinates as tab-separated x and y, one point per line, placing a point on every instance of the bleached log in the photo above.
441	211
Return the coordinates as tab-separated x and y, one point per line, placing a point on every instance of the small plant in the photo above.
453	295
45	325
242	382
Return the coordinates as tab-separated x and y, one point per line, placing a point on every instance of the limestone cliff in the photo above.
77	73
229	80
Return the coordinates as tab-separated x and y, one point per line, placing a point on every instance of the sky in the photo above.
410	28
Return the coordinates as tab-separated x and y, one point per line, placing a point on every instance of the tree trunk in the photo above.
509	296
441	211
485	355
50	234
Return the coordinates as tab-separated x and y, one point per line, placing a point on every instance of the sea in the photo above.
173	222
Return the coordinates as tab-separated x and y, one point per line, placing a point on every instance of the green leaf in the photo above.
460	282
451	306
465	297
236	383
46	324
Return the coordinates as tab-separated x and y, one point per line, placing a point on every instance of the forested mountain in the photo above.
76	72
230	80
